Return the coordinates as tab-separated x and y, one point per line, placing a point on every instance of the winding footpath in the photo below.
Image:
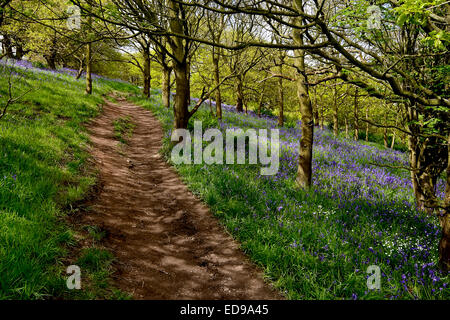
167	244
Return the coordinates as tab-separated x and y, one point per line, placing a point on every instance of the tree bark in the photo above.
6	47
385	135
346	127
304	172
239	94
19	51
394	133
316	108
166	85
355	114
281	98
217	82
181	100
147	72
367	124
51	61
444	219
180	66
322	116
335	113
88	69
80	70
261	100
89	60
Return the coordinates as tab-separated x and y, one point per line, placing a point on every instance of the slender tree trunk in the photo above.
147	72
414	156
188	72
239	94
88	69
304	172
281	98
89	60
316	108
367	124
322	116
356	117
80	69
335	113
444	219
216	82
414	166
385	135
261	101
346	127
394	132
166	85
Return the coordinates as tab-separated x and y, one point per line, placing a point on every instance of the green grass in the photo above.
308	245
43	174
123	129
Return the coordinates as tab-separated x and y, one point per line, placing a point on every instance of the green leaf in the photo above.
402	19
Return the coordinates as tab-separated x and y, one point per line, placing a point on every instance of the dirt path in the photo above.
167	243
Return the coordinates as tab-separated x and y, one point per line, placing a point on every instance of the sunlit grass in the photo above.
43	171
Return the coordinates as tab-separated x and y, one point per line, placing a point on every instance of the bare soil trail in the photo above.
167	244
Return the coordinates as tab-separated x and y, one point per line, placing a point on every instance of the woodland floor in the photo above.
166	243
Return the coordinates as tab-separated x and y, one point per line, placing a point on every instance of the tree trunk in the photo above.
165	90
89	60
322	116
356	117
394	132
6	47
261	100
188	73
304	172
80	70
316	108
281	98
180	66
414	166
51	60
239	94
413	154
385	135
346	127
335	113
147	72
88	69
217	82
19	51
181	100
367	124
444	219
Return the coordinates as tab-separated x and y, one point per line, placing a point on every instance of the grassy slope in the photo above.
43	171
315	245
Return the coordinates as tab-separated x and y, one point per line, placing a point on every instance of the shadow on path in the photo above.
167	244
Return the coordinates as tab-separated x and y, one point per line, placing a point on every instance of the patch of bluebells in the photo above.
364	214
43	74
